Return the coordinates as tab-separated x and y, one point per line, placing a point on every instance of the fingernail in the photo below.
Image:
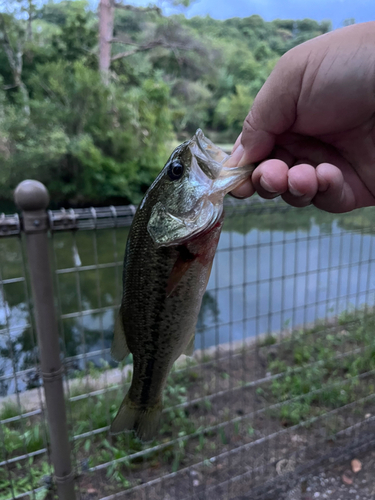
237	156
294	191
237	197
244	159
267	187
237	143
233	159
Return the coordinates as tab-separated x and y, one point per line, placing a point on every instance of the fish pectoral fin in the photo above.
180	268
178	272
144	421
190	347
119	347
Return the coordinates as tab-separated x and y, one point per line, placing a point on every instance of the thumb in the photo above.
273	111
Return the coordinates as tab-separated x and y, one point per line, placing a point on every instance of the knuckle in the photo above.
249	125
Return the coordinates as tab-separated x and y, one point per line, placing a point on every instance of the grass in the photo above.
267	340
318	373
321	371
10	409
23	478
24	435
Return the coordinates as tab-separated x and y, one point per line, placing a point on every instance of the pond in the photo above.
275	268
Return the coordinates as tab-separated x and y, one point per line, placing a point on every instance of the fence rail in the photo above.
281	380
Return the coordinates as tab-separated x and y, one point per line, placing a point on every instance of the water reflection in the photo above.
274	280
274	267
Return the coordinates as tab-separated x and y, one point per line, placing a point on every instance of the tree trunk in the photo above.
15	62
29	30
106	18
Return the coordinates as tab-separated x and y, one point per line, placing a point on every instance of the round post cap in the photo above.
31	195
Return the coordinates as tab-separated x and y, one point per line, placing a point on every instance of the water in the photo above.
275	279
274	269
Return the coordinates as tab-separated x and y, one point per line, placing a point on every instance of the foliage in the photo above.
86	141
92	144
285	218
338	364
328	380
15	482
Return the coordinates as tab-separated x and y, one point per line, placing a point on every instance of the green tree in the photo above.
231	110
12	39
168	76
85	141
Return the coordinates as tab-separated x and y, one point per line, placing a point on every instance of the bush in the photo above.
86	142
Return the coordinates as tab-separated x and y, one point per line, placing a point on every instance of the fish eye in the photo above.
175	170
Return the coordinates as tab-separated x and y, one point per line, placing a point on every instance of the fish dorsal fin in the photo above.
119	347
190	347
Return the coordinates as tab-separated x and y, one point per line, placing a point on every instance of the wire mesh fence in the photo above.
282	377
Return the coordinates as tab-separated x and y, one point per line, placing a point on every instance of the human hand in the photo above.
312	125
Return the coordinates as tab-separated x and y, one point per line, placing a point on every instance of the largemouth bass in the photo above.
168	259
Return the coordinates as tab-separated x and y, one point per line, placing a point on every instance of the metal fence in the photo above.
281	381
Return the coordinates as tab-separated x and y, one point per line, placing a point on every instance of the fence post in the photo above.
32	198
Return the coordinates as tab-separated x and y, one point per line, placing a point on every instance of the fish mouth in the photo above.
209	152
213	161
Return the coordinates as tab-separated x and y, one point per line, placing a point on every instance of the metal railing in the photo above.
282	378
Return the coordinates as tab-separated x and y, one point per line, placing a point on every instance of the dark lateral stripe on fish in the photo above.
146	386
149	368
184	255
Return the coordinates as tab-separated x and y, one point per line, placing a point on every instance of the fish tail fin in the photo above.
144	421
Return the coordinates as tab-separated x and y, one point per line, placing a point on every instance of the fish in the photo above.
168	258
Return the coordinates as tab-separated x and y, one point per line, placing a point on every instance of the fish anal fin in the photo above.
144	421
119	347
189	349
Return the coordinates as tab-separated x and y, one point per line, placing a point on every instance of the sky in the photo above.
335	10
